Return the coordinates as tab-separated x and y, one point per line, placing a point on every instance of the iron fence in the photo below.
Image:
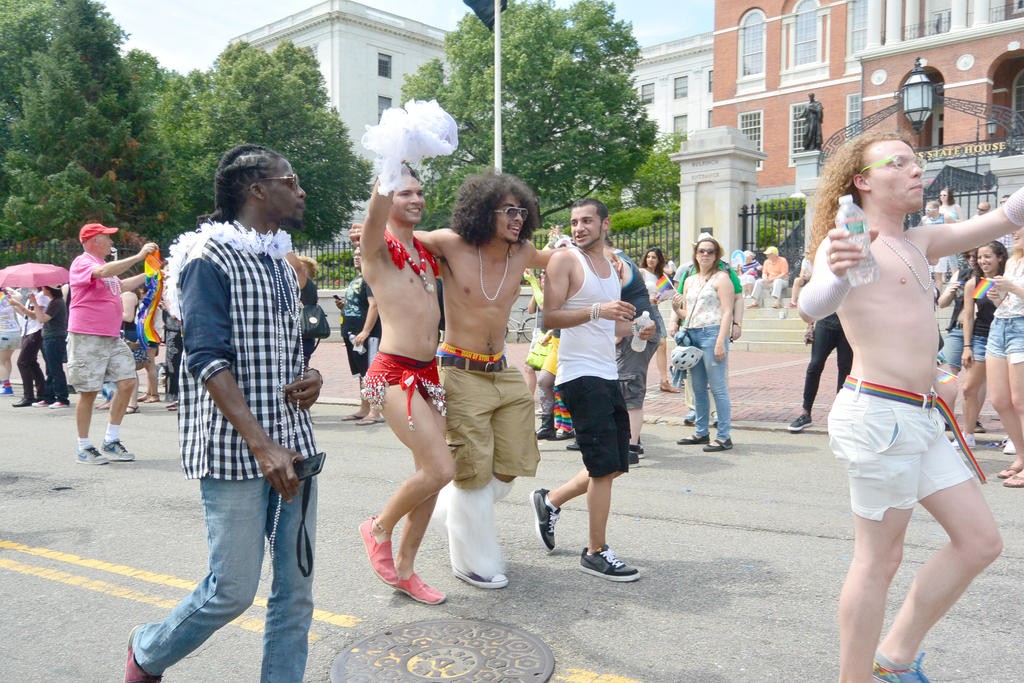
778	223
662	233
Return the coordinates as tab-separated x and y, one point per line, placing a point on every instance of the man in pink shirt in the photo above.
96	352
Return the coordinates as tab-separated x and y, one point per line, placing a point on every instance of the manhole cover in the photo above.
446	649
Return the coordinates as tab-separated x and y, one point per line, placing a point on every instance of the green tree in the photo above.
276	99
81	149
656	183
573	125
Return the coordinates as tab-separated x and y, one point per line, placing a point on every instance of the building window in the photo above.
752	47
1018	92
383	65
750	125
679	124
711	80
647	93
797	126
682	86
805	32
382	104
709	118
853	109
857	17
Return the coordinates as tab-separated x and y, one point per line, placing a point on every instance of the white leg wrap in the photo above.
472	536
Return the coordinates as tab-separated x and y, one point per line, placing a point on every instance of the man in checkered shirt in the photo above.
243	417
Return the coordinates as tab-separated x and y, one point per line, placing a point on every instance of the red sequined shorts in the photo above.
412	375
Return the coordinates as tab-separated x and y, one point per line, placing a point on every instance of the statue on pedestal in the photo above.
813	114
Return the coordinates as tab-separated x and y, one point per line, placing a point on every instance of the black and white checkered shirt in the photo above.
231	320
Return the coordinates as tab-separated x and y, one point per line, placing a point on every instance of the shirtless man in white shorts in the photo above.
895	453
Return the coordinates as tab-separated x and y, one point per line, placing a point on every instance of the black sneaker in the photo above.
978	428
546	518
603	563
799	423
634	454
574	446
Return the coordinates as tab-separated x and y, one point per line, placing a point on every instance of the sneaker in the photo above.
798	424
546	518
6	390
603	563
91	456
58	404
496	581
1009	448
574	446
115	450
969	438
40	404
382	559
978	428
691	418
634	455
133	673
419	591
911	675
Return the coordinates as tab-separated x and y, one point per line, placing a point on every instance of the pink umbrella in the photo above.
33	275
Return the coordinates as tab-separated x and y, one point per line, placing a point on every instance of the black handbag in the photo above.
314	323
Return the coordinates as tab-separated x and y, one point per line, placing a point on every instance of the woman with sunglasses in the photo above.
948	207
705	308
653	270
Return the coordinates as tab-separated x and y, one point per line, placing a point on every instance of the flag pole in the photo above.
497	85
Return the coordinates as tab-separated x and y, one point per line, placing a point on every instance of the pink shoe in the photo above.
381	557
417	590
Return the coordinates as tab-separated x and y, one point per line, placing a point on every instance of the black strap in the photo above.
303	535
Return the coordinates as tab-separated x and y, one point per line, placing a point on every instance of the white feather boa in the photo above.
420	131
274	244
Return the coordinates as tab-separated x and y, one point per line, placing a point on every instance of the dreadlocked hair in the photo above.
238	168
473	217
837	180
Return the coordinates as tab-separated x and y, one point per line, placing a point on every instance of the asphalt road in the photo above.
743	555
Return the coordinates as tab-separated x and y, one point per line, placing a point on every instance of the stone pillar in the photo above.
982	8
912	17
958	15
874	24
893	22
1010	173
718	175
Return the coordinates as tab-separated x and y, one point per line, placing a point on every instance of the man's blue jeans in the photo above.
239	514
713	372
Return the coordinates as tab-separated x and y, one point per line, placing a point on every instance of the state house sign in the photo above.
965	150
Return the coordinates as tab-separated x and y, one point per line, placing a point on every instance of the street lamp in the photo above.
918	96
991	127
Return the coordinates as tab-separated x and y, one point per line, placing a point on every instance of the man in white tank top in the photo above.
581	297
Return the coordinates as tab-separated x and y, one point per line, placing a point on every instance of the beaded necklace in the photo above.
401	256
886	242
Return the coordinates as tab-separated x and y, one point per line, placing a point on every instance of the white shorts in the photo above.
896	454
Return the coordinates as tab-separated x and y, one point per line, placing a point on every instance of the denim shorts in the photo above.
978	344
1006	339
953	348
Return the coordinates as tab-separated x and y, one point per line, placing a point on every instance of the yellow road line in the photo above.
344	620
582	676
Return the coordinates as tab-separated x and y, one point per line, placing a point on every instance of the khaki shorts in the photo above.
896	454
490	425
93	360
10	342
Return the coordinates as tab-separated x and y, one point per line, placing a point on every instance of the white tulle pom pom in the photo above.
420	131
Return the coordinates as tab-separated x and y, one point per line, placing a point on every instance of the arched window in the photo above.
752	39
805	33
1018	94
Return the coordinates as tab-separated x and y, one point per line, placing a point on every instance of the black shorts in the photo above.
601	422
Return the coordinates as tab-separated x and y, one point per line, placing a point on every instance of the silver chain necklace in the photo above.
886	242
500	284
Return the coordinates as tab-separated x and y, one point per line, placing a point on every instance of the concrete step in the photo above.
778	335
791	323
745	344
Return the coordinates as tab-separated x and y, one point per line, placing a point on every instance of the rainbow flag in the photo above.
945	377
665	288
981	290
145	322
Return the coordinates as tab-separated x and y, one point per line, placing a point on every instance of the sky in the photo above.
189	34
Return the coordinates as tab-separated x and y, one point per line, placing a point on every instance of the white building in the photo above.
674	80
364	55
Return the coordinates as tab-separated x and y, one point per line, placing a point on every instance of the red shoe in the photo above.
133	673
382	559
417	590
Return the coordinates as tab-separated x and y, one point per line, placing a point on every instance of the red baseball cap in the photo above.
90	230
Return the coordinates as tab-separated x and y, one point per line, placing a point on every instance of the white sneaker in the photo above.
496	581
969	438
58	404
1009	448
91	456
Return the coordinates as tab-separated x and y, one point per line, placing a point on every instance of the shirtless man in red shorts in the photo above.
403	380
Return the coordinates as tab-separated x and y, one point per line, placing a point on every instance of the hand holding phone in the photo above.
309	467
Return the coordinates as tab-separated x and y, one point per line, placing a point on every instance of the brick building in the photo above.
854	55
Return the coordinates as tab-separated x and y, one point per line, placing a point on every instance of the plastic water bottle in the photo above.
358	349
637	343
852	217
